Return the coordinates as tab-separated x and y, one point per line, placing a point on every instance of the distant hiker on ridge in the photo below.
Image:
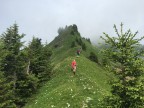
73	66
78	52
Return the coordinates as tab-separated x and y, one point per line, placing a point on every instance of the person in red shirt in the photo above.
73	66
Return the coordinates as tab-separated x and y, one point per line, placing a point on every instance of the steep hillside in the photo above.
64	90
61	46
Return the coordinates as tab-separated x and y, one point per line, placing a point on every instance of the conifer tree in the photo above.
39	60
46	68
9	61
127	88
21	69
12	44
34	51
27	83
6	91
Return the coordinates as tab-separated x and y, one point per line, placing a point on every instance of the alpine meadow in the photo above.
41	75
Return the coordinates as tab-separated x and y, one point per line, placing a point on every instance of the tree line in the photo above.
23	69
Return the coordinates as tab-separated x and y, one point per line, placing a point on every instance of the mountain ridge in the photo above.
85	89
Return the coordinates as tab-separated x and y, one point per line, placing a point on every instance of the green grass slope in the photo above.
64	90
79	91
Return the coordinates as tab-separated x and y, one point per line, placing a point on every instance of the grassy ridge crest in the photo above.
63	90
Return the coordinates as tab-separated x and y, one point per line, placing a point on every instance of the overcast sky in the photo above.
42	18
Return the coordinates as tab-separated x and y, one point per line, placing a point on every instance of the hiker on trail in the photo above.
73	66
78	51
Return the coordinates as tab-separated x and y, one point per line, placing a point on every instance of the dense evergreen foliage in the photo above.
6	93
22	69
39	59
93	57
127	88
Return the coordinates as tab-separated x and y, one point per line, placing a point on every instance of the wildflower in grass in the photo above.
73	95
88	99
84	86
84	105
68	104
52	106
